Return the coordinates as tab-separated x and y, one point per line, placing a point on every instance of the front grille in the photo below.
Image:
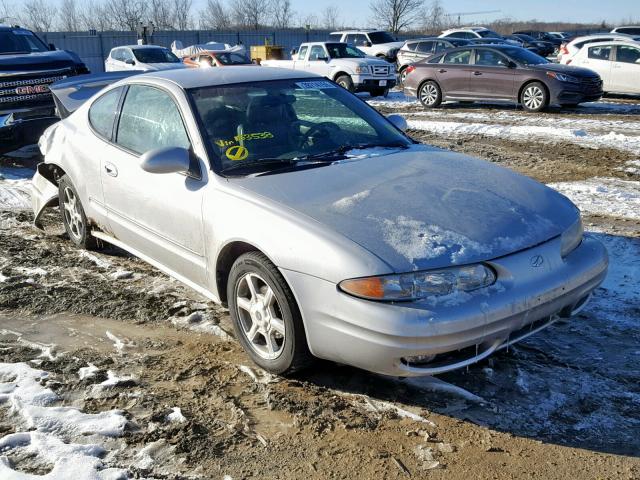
380	70
28	90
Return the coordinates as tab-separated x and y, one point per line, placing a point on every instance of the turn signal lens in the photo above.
410	69
420	285
571	238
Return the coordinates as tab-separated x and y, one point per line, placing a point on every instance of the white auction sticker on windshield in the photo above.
316	85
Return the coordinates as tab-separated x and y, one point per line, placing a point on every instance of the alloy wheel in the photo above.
72	214
429	94
260	316
533	97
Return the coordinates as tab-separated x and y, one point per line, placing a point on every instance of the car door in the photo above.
597	58
491	77
156	215
116	60
454	72
316	61
625	70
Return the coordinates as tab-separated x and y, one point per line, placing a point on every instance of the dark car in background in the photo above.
28	66
539	47
501	73
540	35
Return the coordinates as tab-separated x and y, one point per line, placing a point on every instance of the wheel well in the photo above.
226	258
425	81
529	82
339	74
51	172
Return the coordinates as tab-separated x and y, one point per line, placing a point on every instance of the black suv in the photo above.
544	36
27	67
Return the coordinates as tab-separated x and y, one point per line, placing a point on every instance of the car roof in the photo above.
136	47
196	78
355	31
612	42
466	29
425	39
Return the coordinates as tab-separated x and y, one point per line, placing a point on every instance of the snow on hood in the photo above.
423	207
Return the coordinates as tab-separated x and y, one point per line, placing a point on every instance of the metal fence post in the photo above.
101	48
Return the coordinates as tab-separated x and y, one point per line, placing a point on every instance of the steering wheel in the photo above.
330	129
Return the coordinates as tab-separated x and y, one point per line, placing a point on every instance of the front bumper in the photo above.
381	337
568	93
367	83
24	126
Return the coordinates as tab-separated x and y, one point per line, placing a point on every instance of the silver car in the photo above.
325	229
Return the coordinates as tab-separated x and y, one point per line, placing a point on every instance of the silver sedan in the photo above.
325	229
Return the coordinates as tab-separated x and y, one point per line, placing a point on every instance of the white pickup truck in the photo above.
342	63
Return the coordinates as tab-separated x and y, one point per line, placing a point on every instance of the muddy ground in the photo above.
563	404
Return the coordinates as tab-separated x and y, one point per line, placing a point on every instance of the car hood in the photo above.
388	45
568	69
368	60
423	207
27	62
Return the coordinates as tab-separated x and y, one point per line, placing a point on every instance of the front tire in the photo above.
534	97
429	94
345	82
265	315
73	216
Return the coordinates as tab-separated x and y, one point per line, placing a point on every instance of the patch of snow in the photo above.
15	195
101	263
120	344
69	460
347	203
257	374
202	325
113	380
604	196
29	271
88	371
176	416
434	384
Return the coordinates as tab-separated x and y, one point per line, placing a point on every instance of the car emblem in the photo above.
32	89
536	261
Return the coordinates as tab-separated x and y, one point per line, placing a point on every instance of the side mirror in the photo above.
512	64
166	160
293	52
130	61
323	59
367	44
52	47
399	122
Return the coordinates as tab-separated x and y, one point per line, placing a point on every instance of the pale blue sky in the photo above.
356	12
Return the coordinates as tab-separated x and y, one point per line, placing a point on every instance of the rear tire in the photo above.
265	315
534	97
429	94
345	82
73	216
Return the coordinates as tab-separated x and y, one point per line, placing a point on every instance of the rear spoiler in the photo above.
70	93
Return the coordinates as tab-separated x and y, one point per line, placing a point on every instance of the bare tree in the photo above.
309	20
215	16
250	13
435	17
396	15
182	14
69	17
161	13
94	16
39	15
126	14
6	12
281	13
330	17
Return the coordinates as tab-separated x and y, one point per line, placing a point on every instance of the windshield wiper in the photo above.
340	151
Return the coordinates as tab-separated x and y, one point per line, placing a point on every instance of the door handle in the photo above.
111	169
442	70
477	73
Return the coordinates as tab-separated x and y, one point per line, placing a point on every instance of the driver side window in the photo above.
461	57
489	58
317	52
150	119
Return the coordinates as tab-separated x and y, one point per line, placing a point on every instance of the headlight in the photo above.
362	69
571	238
419	285
563	77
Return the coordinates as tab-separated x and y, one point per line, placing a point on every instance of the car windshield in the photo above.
229	58
524	37
524	56
380	37
342	50
264	126
20	41
488	34
155	55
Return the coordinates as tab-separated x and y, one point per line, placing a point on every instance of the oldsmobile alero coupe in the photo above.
324	228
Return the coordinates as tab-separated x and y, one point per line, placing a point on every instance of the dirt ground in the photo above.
561	405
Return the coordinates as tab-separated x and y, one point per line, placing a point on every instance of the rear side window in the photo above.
600	53
461	57
103	113
356	39
410	46
335	37
303	52
440	46
425	47
627	54
150	119
435	59
490	58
